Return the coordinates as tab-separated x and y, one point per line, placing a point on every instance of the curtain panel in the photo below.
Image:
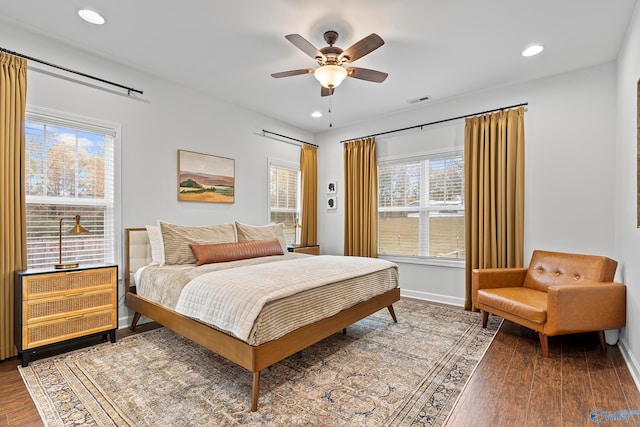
494	192
361	198
309	194
13	256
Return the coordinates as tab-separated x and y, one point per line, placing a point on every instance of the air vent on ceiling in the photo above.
415	101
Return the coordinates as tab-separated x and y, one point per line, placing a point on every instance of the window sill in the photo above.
431	261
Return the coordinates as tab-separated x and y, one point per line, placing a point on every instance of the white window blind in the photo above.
284	203
69	171
421	207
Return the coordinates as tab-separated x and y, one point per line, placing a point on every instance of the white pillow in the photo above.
157	246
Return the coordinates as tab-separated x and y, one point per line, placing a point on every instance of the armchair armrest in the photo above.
595	306
492	278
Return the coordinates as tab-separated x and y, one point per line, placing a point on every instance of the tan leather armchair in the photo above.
558	294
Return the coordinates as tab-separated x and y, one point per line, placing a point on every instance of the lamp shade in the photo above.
330	76
77	229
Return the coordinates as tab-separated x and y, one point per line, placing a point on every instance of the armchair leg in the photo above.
603	344
544	344
485	318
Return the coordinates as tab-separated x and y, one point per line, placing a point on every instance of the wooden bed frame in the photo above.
252	358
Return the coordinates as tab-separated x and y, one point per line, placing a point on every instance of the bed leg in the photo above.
134	322
255	391
393	313
344	331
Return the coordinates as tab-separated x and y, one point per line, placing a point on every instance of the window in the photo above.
69	172
284	197
421	206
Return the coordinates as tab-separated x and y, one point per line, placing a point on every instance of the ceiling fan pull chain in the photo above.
330	115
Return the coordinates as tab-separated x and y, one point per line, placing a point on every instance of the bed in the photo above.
259	351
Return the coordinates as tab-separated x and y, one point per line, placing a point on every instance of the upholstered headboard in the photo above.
137	253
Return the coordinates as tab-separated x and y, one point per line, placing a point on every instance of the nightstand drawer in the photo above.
72	326
41	309
43	285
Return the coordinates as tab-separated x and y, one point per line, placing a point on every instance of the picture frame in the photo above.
332	187
332	202
205	178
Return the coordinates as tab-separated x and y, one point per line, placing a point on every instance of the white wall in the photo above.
627	234
580	157
170	118
569	164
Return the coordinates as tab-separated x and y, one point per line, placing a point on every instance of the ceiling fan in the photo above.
331	59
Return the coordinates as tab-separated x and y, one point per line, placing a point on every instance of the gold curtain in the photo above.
494	192
309	190
361	198
13	98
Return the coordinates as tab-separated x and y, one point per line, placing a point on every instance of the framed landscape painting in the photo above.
205	178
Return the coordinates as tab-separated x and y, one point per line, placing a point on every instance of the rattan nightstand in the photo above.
53	306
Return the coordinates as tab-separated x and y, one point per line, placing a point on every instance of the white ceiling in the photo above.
435	48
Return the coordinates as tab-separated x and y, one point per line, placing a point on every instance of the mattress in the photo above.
317	300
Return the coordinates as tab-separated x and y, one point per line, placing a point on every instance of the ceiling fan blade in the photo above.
366	74
363	47
325	91
293	72
305	46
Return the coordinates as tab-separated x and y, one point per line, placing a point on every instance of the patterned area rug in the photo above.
378	374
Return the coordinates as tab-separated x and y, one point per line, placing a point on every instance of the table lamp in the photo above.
77	229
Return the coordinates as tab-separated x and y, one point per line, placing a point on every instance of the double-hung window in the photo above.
70	170
284	198
421	206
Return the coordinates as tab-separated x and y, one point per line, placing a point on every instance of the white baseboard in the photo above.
428	296
124	322
632	362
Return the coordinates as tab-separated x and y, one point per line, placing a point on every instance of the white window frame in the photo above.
71	120
423	260
287	165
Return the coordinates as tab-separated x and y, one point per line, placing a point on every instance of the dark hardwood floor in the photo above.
512	386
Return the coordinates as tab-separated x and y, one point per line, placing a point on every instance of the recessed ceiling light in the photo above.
91	16
532	50
316	114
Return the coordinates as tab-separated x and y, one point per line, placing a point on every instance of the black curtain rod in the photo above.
129	89
288	137
436	122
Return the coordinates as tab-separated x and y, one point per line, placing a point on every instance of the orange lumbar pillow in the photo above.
223	252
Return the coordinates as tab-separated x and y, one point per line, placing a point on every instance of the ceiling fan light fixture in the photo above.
330	76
